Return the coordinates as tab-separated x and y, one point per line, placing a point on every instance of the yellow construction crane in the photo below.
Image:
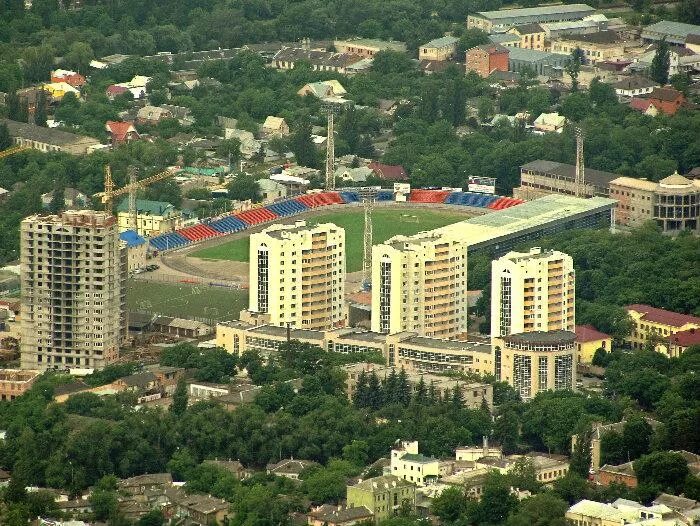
13	150
108	196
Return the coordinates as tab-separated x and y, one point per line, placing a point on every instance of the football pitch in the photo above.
385	224
182	300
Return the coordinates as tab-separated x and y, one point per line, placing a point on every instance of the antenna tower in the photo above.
580	181
330	150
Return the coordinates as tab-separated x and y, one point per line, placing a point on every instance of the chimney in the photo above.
485	442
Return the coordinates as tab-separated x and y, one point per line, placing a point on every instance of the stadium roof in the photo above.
528	216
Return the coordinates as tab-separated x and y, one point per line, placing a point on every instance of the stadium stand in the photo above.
198	232
287	208
228	225
428	196
256	216
169	241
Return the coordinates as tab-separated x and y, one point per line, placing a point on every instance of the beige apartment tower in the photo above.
419	284
532	291
72	279
297	276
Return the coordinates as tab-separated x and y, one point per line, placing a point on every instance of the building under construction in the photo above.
73	274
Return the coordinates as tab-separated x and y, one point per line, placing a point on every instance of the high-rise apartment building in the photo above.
297	276
419	284
72	279
532	291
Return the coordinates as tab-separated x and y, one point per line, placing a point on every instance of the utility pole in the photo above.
330	149
580	179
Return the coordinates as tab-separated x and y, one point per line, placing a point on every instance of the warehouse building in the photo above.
49	139
503	19
674	32
539	62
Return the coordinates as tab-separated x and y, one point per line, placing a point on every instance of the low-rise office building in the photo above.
383	496
49	139
152	217
673	203
368	47
440	49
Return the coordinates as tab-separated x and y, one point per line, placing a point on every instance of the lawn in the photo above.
169	299
386	223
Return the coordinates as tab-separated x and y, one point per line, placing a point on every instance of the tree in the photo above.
179	404
600	357
152	518
496	503
580	463
58	196
664	470
523	475
79	56
573	67
681	82
661	62
540	510
450	505
13	106
40	113
505	431
5	139
636	436
302	146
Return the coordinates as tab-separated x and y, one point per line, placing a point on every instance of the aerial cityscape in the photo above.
349	263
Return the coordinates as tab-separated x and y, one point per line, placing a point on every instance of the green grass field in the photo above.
183	300
386	223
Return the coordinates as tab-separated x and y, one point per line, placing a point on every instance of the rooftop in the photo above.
535	11
417	457
533	55
146	207
45	135
527	29
290	465
622	469
392	45
600	37
449	345
598	510
442	42
665	94
131	238
634	83
666	317
383	482
668	27
686	338
542	337
588	333
568	171
631	182
315	57
344	515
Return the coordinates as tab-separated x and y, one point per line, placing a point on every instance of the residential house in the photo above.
692	42
389	172
121	132
439	49
181	113
289	467
620	474
667	100
367	47
152	115
486	59
596	47
275	127
634	86
271	191
288	57
680	341
4	194
58	90
139	484
137	86
323	89
202	510
659	327
599	430
69	77
15	382
644	106
113	91
72	199
49	140
231	466
136	249
353	175
382	496
4	478
681	60
329	515
589	340
408	464
550	122
152	217
532	36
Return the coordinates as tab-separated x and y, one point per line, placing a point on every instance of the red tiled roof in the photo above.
588	333
119	129
667	317
389	172
76	80
640	104
116	90
686	338
363	298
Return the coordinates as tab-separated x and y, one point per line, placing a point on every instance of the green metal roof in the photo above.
417	457
144	206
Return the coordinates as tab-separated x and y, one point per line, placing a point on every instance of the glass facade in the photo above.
522	375
263	273
385	297
505	321
542	371
563	372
